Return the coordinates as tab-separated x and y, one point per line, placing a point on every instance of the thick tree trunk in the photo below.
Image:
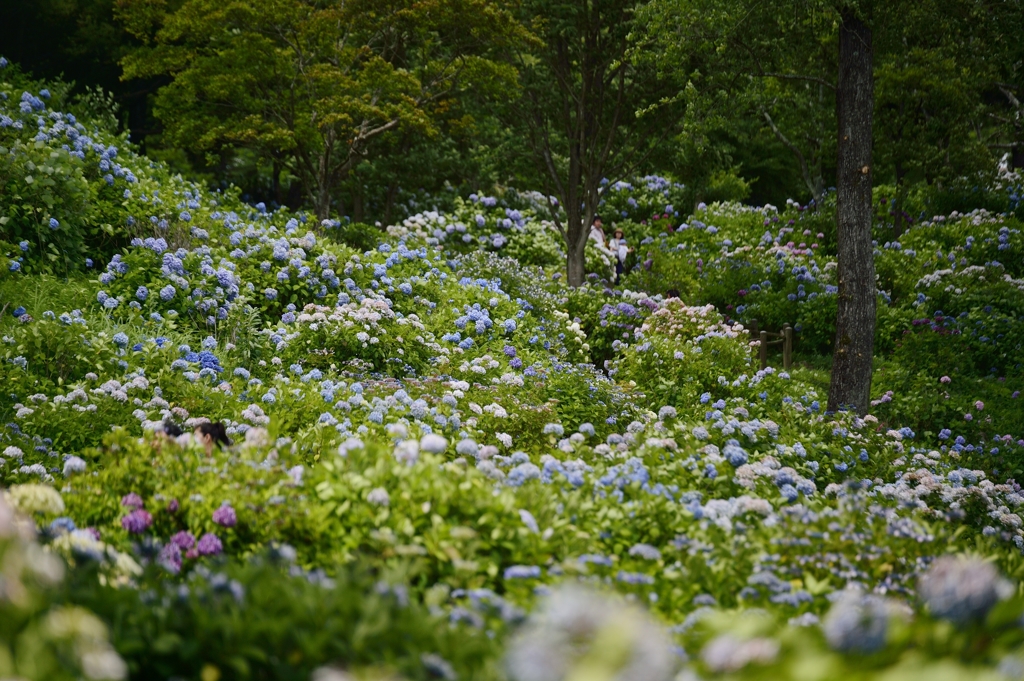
576	266
855	326
576	233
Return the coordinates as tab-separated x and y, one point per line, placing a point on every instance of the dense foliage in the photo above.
448	464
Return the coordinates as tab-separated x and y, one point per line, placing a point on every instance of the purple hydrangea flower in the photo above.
170	558
137	522
209	545
225	516
183	540
132	500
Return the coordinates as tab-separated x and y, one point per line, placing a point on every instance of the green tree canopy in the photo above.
311	84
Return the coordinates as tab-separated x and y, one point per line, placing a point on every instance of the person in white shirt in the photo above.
597	231
618	246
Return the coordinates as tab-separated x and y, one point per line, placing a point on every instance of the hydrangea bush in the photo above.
446	464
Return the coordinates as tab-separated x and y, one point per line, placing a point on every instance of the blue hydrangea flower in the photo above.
735	454
962	589
858	622
522	572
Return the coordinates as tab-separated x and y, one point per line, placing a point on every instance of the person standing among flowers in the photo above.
618	246
597	231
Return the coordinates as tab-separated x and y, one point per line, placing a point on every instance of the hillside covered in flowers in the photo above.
446	463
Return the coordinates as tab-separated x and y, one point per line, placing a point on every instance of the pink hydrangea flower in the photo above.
979	405
945	379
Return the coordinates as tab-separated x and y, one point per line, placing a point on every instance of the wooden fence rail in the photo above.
785	338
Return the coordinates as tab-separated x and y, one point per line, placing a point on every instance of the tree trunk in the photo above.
855	325
295	198
357	203
576	234
323	201
389	205
576	266
897	201
324	178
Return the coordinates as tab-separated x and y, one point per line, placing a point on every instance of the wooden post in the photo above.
764	349
787	347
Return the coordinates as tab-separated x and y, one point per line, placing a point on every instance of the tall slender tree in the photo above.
589	111
853	352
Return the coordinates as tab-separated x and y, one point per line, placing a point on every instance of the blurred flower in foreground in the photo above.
728	653
962	589
34	498
859	622
578	633
53	641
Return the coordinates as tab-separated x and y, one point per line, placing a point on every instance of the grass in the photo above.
43	292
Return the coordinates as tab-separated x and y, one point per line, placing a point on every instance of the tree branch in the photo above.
804	170
797	76
782	76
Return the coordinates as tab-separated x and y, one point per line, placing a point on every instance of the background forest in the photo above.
740	95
